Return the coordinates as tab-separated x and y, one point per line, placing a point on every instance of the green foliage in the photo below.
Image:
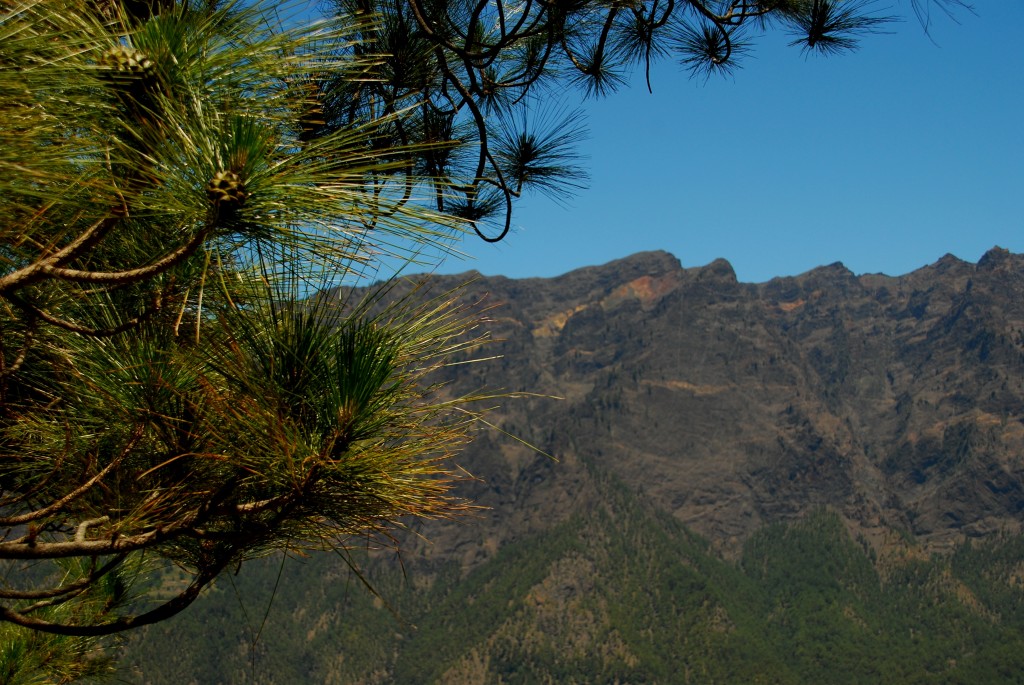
628	594
174	392
33	658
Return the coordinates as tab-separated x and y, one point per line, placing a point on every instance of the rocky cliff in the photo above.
898	401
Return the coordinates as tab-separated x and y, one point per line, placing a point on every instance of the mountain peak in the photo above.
652	263
994	258
950	262
718	271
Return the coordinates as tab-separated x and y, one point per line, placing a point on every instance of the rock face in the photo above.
897	401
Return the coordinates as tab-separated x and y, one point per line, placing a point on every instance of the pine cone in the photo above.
226	188
127	60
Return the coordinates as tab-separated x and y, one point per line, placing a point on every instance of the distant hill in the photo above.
739	470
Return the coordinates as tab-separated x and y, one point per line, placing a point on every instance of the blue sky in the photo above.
884	159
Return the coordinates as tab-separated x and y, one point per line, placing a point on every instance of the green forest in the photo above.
624	595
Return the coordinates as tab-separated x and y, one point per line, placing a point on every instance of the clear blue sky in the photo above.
884	159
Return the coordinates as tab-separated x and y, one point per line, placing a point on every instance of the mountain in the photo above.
826	464
897	401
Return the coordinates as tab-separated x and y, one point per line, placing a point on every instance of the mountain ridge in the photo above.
813	361
664	259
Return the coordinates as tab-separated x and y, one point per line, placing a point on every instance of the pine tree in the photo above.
174	391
